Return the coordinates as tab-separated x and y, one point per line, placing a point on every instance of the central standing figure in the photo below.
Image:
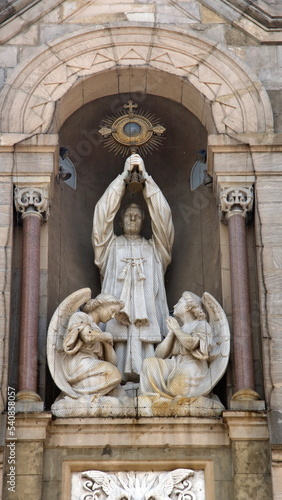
132	268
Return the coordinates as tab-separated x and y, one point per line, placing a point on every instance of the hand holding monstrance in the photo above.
135	173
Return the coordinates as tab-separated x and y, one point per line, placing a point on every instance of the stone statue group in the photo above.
122	350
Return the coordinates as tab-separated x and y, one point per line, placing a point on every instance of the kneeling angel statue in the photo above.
81	357
193	357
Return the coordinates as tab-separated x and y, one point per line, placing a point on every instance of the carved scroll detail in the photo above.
176	484
32	199
239	199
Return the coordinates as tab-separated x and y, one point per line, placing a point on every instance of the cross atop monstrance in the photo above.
130	106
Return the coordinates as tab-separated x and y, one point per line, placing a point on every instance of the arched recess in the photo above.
218	89
84	66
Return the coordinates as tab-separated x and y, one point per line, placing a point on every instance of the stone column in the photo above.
236	204
32	204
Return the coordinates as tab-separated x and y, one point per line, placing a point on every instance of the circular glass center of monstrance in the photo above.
132	129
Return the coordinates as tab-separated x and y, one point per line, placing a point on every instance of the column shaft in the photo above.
29	301
241	316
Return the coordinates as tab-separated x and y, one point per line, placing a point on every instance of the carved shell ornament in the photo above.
132	130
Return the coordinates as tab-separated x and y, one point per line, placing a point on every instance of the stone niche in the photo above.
194	212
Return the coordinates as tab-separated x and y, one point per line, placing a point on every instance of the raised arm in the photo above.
161	220
104	214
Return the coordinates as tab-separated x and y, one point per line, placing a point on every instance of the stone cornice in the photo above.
14	7
32	426
245	426
267	14
262	22
153	432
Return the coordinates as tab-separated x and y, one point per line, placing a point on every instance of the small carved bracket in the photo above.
32	199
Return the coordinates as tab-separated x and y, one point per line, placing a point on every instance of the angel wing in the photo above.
107	482
167	482
178	475
220	349
56	332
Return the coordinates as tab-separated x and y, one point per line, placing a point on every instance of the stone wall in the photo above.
233	452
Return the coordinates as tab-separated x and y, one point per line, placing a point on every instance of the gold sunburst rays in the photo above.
132	131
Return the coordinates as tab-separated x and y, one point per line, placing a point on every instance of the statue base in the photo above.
150	405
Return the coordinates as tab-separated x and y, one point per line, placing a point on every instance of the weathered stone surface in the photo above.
238	38
208	16
6	193
29	458
49	32
155	435
262	57
54	16
274	421
272	258
224	489
8	57
270	212
272	235
277	473
28	37
29	407
251	457
252	486
276	100
271	78
31	485
52	490
247	405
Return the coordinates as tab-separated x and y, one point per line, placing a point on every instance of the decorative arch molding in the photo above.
85	65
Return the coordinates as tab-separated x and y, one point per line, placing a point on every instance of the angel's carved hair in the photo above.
103	299
197	307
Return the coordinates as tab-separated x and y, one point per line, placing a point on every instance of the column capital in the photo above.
32	200
235	199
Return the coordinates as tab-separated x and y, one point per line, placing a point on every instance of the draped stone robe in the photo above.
132	269
185	372
89	367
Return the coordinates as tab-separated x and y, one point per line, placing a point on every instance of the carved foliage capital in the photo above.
32	199
237	199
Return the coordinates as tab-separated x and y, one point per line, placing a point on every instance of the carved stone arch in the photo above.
135	81
203	77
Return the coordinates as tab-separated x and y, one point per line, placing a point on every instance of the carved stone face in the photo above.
183	306
132	221
107	312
